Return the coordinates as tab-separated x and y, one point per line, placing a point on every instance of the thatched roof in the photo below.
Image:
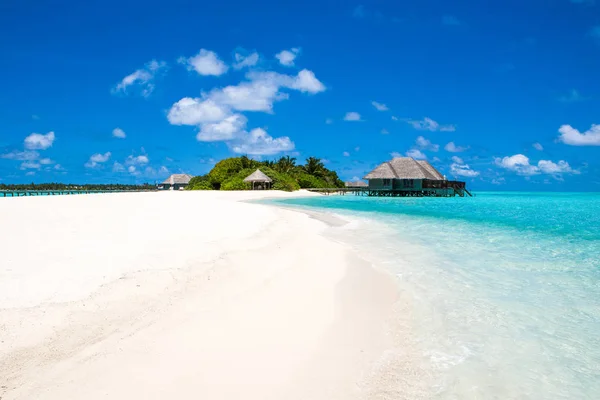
356	184
179	179
405	168
258	176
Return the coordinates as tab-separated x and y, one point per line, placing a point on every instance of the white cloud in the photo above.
380	106
394	118
425	144
137	160
21	155
59	167
395	154
573	137
242	61
259	142
132	170
519	164
427	124
416	154
329	121
452	148
188	111
352	116
306	81
163	170
498	181
460	169
457	160
538	146
97	159
346	154
206	62
384	131
226	129
118	167
562	167
38	141
30	165
287	57
258	95
30	173
119	133
46	161
450	20
142	78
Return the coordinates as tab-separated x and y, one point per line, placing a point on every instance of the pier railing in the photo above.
22	193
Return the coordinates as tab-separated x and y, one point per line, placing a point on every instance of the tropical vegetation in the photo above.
229	174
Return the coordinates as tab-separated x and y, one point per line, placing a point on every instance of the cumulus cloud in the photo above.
38	141
428	124
188	111
30	165
425	144
571	136
352	116
520	164
227	129
143	79
205	63
119	133
118	167
287	57
416	154
216	113
21	155
242	61
97	159
46	161
259	142
452	148
137	160
459	168
538	146
379	106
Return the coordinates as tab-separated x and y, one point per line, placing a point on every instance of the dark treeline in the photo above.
70	186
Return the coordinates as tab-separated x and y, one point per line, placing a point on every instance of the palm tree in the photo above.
314	166
285	164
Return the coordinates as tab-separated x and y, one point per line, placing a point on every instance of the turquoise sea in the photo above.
504	287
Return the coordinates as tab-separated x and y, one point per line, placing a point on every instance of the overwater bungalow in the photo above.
405	176
175	182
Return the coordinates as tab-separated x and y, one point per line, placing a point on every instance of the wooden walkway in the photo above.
22	193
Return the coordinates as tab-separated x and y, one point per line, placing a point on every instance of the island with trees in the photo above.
229	174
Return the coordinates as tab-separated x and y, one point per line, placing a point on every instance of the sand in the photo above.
185	295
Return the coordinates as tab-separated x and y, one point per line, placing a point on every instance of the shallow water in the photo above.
505	286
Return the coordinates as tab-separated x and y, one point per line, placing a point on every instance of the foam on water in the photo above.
505	286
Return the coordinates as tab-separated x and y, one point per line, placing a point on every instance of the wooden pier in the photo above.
425	192
23	193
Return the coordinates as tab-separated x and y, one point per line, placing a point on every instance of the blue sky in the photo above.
502	94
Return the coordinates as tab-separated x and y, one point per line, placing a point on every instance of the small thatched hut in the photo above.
259	180
356	184
175	182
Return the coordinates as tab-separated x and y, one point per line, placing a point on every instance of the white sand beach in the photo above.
186	295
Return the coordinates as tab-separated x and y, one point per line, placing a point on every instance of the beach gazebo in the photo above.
175	182
259	180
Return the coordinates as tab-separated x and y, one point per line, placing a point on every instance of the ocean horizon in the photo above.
504	287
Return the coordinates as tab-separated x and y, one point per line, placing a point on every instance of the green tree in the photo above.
285	164
314	166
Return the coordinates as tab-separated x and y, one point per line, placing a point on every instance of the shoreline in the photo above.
258	317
